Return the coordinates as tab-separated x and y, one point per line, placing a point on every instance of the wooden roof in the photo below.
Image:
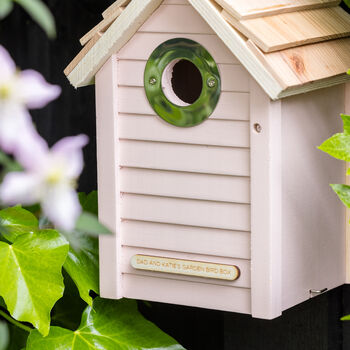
288	46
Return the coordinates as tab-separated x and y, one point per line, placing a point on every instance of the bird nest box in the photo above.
208	118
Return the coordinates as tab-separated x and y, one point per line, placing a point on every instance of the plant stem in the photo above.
14	322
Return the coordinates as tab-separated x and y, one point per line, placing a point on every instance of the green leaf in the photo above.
41	14
68	310
345	318
8	163
16	221
109	325
82	265
337	146
343	192
4	336
346	123
5	8
90	203
18	338
30	276
347	2
89	224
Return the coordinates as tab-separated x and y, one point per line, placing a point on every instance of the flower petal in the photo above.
61	205
20	188
7	66
34	91
70	150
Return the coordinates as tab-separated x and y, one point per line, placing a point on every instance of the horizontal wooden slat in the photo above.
180	19
222	215
258	8
273	33
186	239
187	293
141	46
233	77
211	132
184	157
233	106
224	188
244	266
301	65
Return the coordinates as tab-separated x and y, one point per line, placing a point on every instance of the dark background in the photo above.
313	325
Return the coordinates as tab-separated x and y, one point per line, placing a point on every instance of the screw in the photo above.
258	128
211	82
153	81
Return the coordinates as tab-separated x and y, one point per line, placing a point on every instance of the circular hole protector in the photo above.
172	51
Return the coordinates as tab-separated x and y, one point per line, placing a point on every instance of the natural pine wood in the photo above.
114	7
101	27
244	9
82	53
274	33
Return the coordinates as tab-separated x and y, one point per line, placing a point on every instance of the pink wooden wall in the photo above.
215	192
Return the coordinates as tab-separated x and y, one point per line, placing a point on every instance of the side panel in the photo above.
266	190
313	217
108	179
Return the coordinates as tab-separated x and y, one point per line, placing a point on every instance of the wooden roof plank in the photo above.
305	62
279	32
82	53
114	7
244	9
102	26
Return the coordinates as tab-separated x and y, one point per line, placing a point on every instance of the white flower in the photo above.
20	91
49	179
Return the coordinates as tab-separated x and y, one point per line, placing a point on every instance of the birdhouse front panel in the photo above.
212	183
184	190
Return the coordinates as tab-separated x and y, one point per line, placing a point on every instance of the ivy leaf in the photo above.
68	310
347	2
346	123
337	146
345	318
108	325
4	336
16	221
30	276
41	14
83	267
89	203
88	223
343	192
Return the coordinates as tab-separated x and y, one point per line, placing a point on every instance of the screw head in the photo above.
258	128
153	81
211	82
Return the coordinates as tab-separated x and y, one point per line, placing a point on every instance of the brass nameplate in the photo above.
185	267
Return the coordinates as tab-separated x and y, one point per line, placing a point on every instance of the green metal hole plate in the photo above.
203	107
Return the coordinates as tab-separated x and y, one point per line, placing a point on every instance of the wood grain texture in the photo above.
244	265
231	106
82	53
108	185
179	238
101	27
185	157
243	9
116	36
211	132
274	33
227	216
233	189
114	7
187	293
266	208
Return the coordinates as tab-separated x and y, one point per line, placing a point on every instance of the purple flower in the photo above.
20	91
49	179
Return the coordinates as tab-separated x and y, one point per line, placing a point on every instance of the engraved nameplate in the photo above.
185	267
